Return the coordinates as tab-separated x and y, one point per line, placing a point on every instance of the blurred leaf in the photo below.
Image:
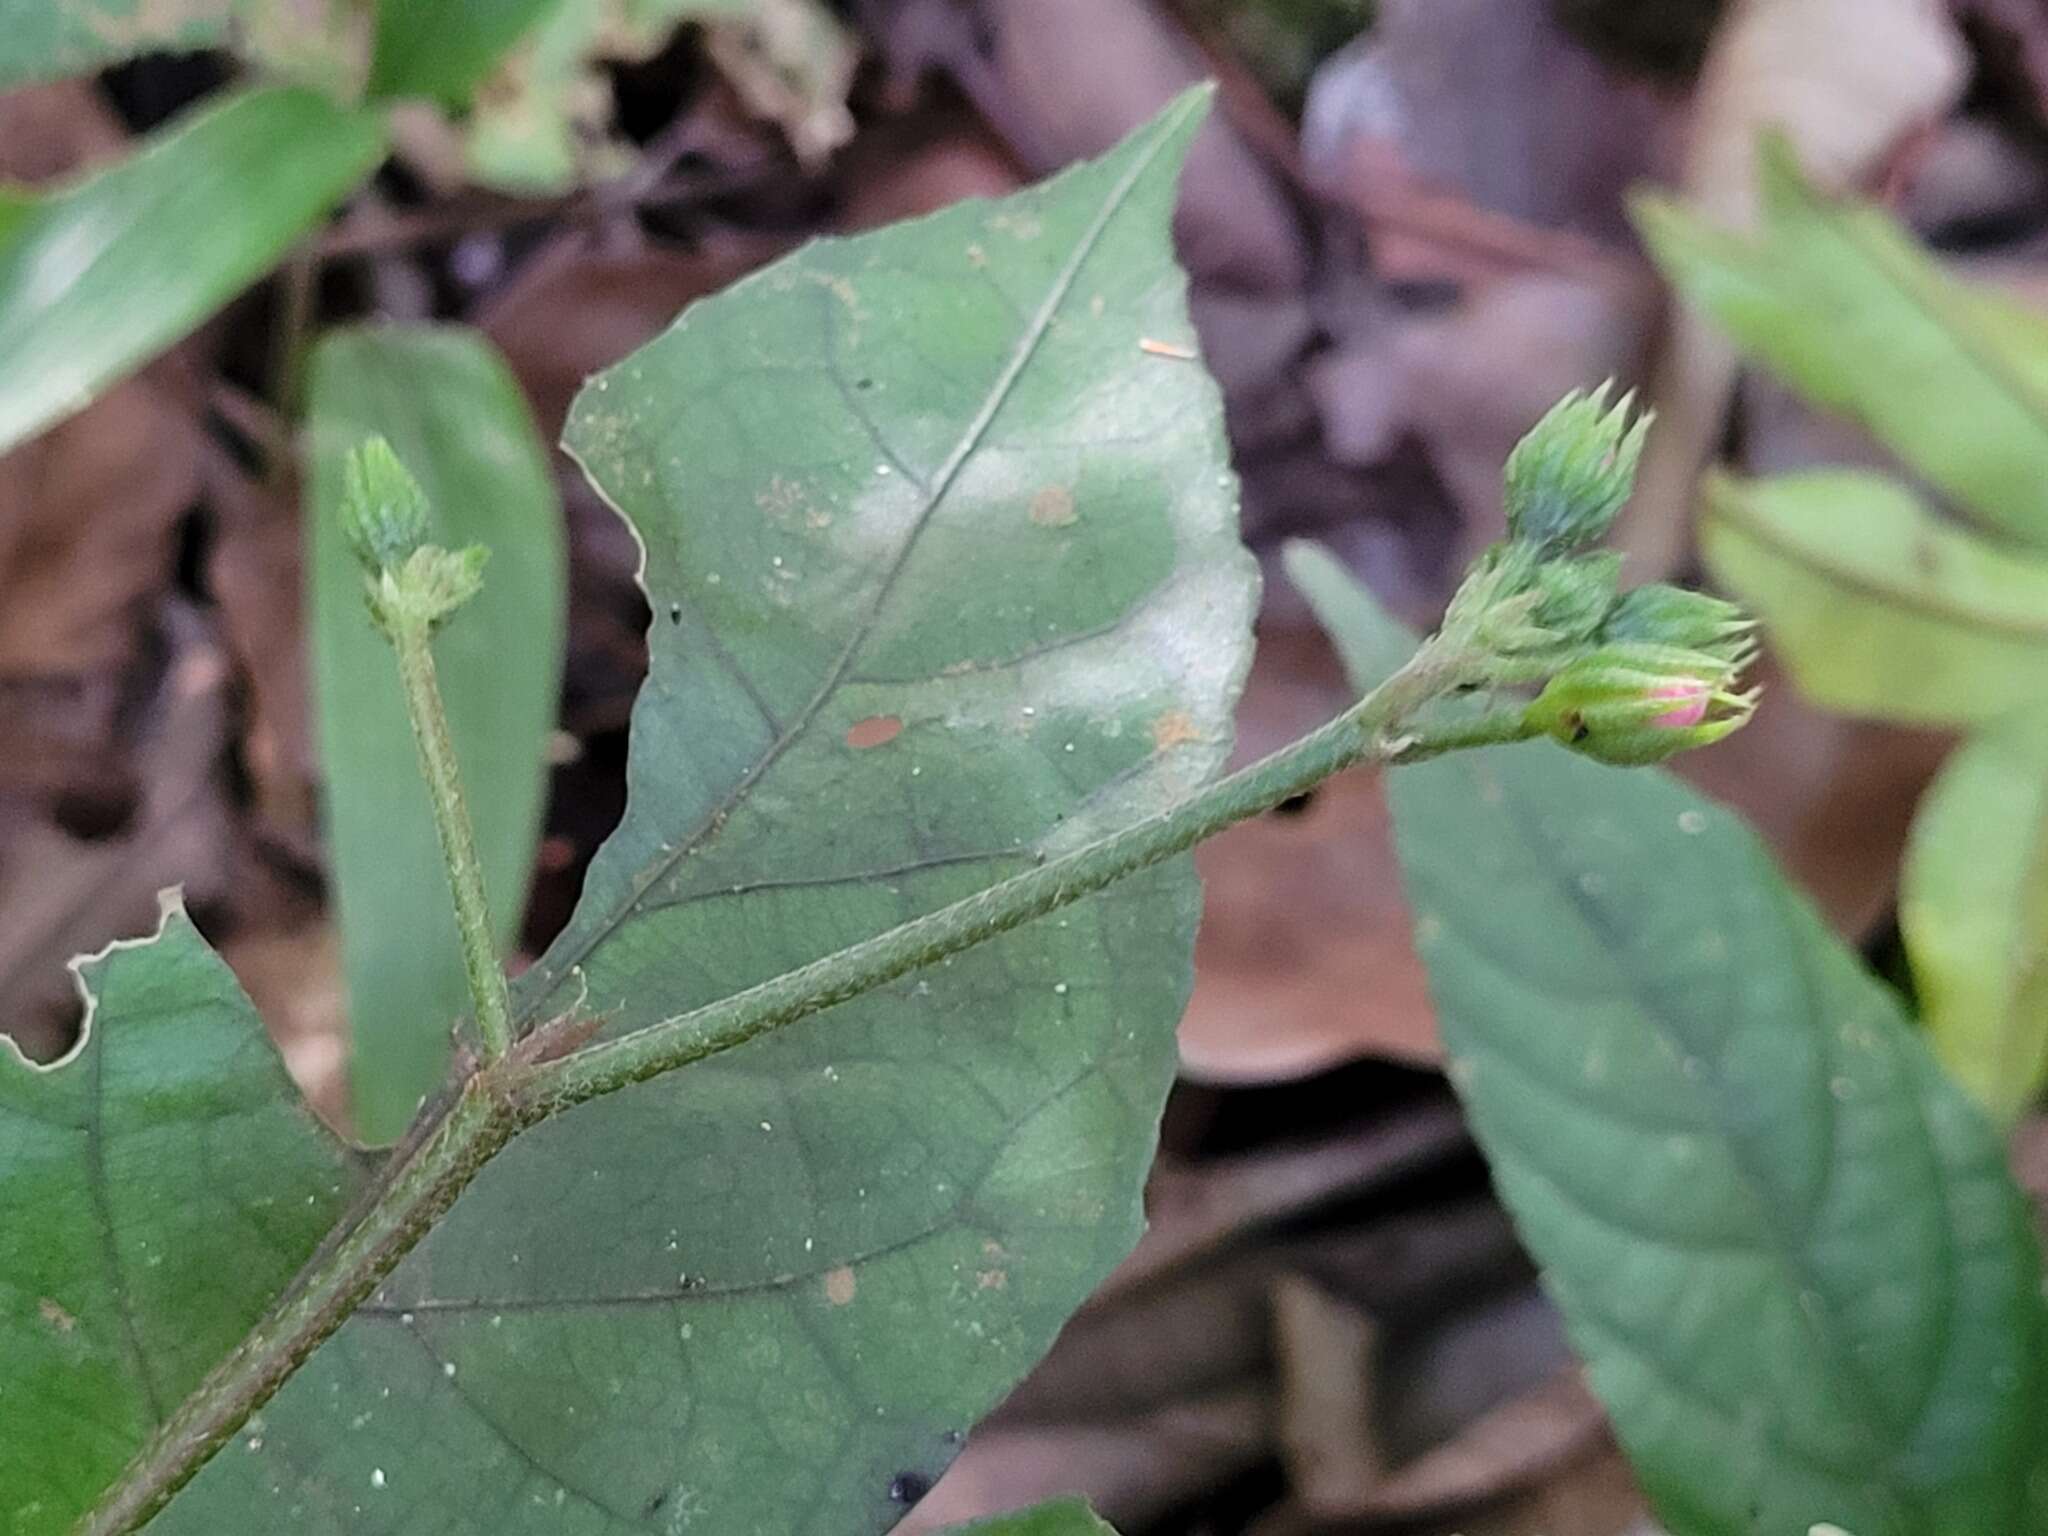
792	63
47	39
1974	910
542	120
926	531
1841	302
1785	1244
100	277
445	49
1878	607
1061	1517
319	43
454	414
157	1189
1847	82
1373	644
546	110
440	49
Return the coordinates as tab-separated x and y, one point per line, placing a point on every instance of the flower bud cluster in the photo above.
1627	678
386	519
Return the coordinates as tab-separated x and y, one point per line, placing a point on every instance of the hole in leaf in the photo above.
48	1028
1295	805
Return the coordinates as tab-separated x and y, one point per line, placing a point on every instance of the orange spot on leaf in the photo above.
875	731
840	1284
1054	507
1173	729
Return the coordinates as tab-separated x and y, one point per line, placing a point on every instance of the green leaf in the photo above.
1878	607
441	48
1061	1517
943	576
100	277
1974	912
48	39
543	119
157	1188
1785	1244
454	414
1845	306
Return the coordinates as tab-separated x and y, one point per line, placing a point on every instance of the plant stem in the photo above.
1360	733
487	993
508	1094
418	1188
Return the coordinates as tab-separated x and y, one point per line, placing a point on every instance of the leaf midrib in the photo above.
1787	1250
1023	351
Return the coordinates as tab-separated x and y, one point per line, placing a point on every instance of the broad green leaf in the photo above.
100	277
1061	1517
943	574
1840	301
1784	1242
454	414
157	1188
1878	607
47	39
1974	911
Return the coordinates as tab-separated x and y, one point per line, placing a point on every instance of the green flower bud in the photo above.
1574	597
383	509
1640	703
1568	477
1674	616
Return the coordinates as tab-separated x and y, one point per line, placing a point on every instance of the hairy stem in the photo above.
417	1188
1366	731
507	1094
458	843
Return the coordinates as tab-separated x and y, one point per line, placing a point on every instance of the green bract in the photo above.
1677	616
